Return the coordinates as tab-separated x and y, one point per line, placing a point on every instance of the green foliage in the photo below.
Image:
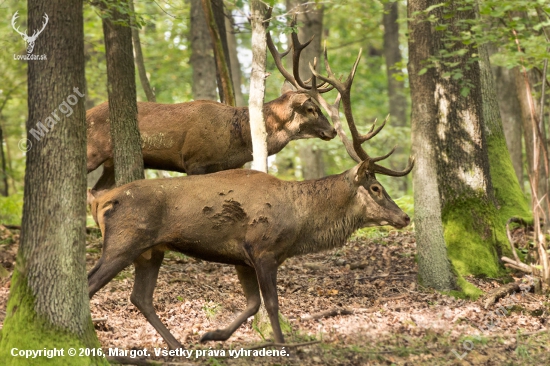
11	209
516	27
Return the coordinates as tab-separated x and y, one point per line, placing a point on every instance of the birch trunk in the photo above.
257	85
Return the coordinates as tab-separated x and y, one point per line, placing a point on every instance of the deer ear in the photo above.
360	172
299	98
287	87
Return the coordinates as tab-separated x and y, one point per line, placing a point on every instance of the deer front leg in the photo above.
147	271
266	269
249	283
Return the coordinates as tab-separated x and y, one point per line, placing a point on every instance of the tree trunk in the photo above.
510	200
213	11
310	19
121	87
48	306
396	88
530	119
3	172
140	63
258	12
510	112
434	268
392	54
236	74
465	185
202	56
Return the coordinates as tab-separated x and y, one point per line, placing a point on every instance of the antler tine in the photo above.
372	132
277	57
374	160
297	47
394	173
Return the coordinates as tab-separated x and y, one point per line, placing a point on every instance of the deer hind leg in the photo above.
249	283
147	270
104	271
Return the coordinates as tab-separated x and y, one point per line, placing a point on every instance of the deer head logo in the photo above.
29	39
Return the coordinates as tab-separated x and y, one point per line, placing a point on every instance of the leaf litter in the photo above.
362	302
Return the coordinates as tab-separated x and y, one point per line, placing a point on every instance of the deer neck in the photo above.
277	116
324	206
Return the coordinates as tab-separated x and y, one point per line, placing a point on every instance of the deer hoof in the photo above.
216	335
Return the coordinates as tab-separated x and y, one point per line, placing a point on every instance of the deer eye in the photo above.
375	189
310	110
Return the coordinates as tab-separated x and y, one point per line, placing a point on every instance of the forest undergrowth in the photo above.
385	317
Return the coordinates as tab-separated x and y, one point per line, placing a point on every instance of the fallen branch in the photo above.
516	220
98	320
517	265
327	314
288	345
498	293
336	312
392	297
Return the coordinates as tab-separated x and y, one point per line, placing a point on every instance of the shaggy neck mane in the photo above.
328	221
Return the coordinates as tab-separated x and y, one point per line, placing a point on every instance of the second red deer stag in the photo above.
245	218
204	136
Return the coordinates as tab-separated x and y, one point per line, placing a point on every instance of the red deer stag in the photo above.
241	217
204	136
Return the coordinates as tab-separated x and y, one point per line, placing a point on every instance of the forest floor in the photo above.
388	319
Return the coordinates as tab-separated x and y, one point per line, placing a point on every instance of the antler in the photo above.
13	19
354	148
35	34
313	89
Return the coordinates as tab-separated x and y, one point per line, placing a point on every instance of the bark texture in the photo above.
530	108
48	305
477	187
392	55
140	62
510	112
213	11
434	267
258	12
396	88
510	200
3	172
236	74
121	87
310	24
202	56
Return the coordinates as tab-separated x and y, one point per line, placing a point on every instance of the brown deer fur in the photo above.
241	217
204	136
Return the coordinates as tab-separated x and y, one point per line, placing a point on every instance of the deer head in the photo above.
29	39
329	82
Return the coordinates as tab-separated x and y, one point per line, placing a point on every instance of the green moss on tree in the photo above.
467	290
474	236
475	229
25	330
511	200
